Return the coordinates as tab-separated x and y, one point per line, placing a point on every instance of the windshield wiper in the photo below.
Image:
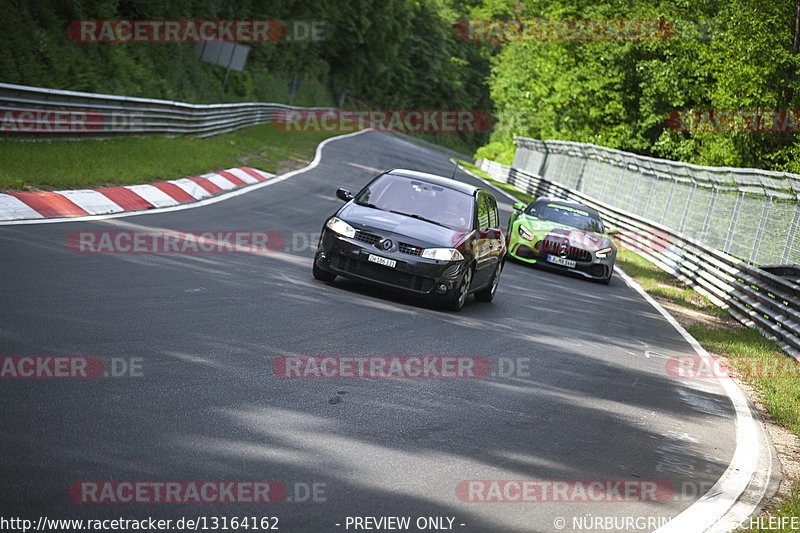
418	217
373	206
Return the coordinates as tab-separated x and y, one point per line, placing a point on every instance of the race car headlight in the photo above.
601	254
341	227
526	234
442	254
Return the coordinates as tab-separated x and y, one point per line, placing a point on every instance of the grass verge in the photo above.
659	283
772	377
510	189
61	164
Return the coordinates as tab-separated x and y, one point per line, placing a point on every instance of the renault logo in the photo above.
385	244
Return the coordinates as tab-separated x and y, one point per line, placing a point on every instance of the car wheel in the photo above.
487	294
462	291
322	275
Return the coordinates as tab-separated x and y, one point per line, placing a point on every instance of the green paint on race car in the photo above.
559	245
568	208
538	230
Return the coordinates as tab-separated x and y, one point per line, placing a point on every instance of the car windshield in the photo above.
576	217
420	199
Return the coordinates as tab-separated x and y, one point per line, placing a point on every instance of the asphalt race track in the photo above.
580	390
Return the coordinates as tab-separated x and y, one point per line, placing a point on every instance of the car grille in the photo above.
368	238
408	249
381	273
549	246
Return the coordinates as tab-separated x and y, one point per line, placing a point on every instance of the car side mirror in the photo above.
519	206
344	194
612	231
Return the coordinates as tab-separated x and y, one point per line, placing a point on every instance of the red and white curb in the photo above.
107	200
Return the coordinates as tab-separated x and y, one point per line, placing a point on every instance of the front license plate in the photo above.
384	261
569	263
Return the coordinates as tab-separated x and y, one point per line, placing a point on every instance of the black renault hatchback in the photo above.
419	233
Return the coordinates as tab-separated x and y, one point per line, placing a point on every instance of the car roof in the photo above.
435	180
565	202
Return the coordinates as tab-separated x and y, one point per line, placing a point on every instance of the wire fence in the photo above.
755	296
750	214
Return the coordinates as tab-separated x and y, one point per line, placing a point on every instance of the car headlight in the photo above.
526	234
442	254
341	227
601	254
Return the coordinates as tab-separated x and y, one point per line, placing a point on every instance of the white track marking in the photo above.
91	201
12	207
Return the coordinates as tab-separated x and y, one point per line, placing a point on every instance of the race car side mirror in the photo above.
519	206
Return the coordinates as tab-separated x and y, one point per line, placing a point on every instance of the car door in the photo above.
483	247
495	234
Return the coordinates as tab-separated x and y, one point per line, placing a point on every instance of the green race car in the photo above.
562	235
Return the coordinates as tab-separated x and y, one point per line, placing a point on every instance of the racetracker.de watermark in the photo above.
160	492
174	242
564	30
385	367
708	367
401	120
41	121
192	31
581	490
734	121
69	367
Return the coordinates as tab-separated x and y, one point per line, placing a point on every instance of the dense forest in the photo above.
386	54
718	55
623	91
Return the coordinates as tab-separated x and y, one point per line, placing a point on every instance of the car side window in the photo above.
494	216
483	213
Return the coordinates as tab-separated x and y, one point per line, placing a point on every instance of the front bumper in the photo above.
347	257
595	268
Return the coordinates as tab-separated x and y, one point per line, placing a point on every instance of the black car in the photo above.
416	232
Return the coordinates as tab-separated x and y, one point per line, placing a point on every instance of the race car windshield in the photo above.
419	199
567	215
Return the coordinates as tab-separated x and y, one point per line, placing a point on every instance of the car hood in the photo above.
419	231
587	240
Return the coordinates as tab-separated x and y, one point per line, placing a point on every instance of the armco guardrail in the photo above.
34	112
747	213
753	296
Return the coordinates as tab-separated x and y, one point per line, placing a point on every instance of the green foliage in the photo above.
720	55
502	152
405	54
389	54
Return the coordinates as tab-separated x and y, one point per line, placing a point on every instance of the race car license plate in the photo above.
569	263
383	261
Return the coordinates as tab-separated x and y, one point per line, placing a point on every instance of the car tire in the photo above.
322	275
461	292
487	294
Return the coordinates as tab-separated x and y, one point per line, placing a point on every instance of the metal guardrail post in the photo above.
687	208
760	233
791	236
734	220
709	213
